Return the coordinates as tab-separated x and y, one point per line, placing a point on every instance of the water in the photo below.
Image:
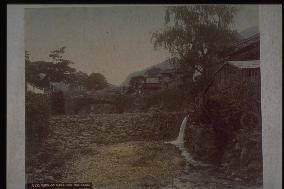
197	174
179	143
180	138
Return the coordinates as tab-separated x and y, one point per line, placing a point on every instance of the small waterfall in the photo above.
179	142
180	138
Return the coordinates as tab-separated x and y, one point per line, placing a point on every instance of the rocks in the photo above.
73	134
200	142
241	154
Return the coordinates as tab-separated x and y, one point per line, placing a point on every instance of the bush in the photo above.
232	116
171	100
37	115
125	103
58	103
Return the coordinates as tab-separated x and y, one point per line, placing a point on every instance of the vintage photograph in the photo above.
130	97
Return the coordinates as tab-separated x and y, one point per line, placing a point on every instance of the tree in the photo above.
56	55
30	71
78	79
96	81
135	84
57	70
196	35
27	56
61	70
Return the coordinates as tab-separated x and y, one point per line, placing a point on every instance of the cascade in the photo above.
179	142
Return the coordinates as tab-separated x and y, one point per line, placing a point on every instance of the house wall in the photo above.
228	76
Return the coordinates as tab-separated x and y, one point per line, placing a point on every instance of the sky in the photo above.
112	40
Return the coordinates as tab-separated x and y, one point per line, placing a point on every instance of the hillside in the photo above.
163	66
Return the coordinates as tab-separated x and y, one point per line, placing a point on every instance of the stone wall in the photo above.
113	128
74	137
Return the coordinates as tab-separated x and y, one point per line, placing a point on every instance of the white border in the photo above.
15	98
271	93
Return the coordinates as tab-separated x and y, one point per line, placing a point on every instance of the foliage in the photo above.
56	55
195	35
229	111
37	115
135	83
52	72
124	103
170	100
240	95
27	56
58	103
96	81
78	78
173	100
60	70
56	71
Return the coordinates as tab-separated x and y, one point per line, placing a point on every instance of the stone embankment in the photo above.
73	139
114	128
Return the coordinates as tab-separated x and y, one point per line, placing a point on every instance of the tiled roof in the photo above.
152	80
245	64
246	41
236	47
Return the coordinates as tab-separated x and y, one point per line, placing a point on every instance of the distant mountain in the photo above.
163	66
249	32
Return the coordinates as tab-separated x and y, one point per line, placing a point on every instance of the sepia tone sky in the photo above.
112	40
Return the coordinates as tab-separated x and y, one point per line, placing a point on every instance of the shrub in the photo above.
125	103
233	114
170	100
37	114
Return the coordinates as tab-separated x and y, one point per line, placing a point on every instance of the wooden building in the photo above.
247	72
151	84
245	49
241	64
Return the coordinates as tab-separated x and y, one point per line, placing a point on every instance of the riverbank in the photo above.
240	157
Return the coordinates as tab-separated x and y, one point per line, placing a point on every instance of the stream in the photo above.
197	175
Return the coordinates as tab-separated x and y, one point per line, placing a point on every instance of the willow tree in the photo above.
196	35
